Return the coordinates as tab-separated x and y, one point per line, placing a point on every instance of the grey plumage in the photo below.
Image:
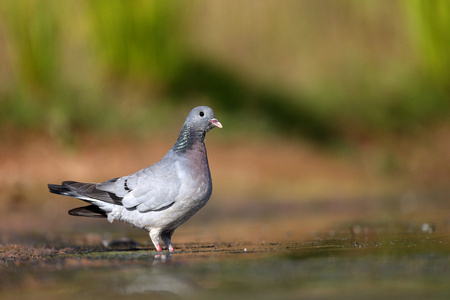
160	197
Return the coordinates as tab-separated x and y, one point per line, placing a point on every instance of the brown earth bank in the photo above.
264	189
274	166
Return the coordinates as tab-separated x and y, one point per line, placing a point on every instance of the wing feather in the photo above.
152	189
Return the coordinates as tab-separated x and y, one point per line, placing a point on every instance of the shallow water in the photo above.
408	267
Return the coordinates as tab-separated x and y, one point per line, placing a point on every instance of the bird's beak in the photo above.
216	123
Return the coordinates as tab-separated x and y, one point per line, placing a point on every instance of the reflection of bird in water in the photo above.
157	279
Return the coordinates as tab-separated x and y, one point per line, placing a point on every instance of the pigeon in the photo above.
160	197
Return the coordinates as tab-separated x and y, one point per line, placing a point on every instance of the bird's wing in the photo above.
151	189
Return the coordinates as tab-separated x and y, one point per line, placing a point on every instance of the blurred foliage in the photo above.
113	65
430	21
232	95
140	39
35	38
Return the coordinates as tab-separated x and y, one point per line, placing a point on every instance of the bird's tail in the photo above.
91	211
58	189
67	188
70	188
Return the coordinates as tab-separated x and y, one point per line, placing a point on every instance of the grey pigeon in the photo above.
158	198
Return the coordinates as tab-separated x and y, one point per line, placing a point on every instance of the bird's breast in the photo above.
195	181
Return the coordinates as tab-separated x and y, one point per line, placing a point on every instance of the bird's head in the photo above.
202	118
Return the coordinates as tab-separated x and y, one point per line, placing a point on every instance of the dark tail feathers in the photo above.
91	211
58	189
85	211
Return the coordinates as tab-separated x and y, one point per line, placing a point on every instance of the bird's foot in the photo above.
158	248
170	248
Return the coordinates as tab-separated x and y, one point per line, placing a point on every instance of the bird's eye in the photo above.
201	114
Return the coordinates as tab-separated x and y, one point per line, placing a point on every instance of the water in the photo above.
409	267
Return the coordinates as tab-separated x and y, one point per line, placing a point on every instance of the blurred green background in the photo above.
357	87
328	71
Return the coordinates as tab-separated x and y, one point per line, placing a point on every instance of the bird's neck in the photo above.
189	138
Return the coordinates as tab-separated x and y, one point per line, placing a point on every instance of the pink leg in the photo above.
170	248
154	236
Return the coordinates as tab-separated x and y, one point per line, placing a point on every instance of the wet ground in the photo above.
273	253
407	268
